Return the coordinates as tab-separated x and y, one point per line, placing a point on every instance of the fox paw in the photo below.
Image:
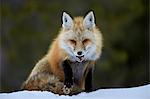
68	85
67	90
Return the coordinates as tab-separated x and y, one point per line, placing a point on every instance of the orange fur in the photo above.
55	56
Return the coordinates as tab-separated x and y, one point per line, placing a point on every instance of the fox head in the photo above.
80	38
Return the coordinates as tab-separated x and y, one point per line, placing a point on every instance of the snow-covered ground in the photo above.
142	92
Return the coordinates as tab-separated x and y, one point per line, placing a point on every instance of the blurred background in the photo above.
29	26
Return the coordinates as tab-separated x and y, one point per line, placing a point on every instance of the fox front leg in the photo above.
68	82
88	80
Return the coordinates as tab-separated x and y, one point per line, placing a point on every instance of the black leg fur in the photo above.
68	74
88	81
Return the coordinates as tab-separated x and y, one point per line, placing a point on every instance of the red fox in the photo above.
67	68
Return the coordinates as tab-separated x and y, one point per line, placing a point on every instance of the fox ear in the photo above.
89	20
67	21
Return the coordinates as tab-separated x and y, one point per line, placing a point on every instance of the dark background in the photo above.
29	26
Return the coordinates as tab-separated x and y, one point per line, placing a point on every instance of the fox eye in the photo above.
72	41
85	41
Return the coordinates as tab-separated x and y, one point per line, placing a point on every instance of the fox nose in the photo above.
79	52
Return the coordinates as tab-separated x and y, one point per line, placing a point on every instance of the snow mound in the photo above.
142	92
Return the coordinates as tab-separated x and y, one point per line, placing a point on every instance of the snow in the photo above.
142	92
